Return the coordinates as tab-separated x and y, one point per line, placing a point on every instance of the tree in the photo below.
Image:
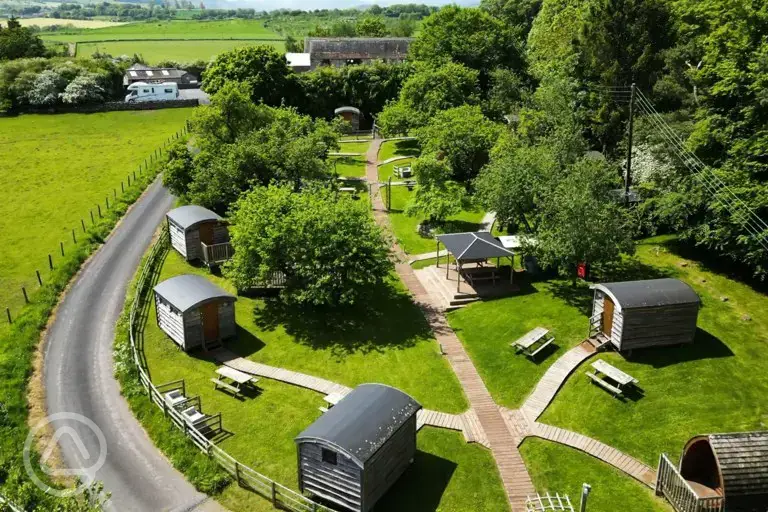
463	136
328	247
552	40
178	171
437	197
292	45
264	69
507	91
371	26
17	42
516	13
230	115
46	88
84	88
580	222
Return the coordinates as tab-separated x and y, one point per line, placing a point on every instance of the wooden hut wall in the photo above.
220	233
194	252
227	325
340	483
169	320
178	239
658	326
193	329
389	463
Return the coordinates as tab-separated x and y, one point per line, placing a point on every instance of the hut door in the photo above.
210	314
607	316
206	233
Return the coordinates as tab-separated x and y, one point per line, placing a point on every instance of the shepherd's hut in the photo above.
195	312
354	452
199	234
351	115
641	314
718	472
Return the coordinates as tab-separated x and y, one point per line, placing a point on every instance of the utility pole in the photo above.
630	128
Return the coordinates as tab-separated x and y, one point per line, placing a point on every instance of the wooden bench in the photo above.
541	347
600	382
221	384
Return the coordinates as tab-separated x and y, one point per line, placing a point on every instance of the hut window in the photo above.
329	456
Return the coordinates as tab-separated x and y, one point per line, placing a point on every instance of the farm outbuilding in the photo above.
197	233
351	115
718	472
641	314
195	312
358	449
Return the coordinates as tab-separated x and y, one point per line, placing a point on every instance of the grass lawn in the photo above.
405	227
487	328
718	384
55	168
353	147
447	474
398	148
559	469
180	51
349	166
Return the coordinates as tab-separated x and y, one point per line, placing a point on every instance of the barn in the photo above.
199	234
357	450
195	312
642	314
718	472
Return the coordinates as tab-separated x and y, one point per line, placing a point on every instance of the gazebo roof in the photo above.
362	421
474	246
648	293
191	291
190	215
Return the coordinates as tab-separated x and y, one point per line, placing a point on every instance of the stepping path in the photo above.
553	379
514	476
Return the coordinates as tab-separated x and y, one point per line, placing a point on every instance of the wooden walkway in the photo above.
602	451
553	379
514	475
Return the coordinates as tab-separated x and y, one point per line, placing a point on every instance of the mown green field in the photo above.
55	168
177	29
179	51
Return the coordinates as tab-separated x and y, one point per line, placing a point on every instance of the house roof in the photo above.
474	246
190	291
357	47
298	59
191	215
342	110
649	293
362	421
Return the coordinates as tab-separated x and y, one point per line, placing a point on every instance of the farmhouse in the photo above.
640	314
718	472
147	74
354	452
194	312
199	234
342	51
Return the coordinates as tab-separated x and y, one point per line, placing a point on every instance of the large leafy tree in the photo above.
264	69
516	13
327	246
17	42
437	197
230	115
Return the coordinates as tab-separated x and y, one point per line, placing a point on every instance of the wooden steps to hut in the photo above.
442	291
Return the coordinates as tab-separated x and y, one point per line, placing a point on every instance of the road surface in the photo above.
79	377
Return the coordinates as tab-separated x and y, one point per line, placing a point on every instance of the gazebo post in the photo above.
511	268
458	277
447	264
438	253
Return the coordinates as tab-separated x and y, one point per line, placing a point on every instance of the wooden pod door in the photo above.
210	313
608	308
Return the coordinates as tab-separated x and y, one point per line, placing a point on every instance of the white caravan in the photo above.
142	91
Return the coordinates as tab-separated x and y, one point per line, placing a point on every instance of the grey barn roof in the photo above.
743	462
357	47
190	215
649	293
190	291
474	246
362	421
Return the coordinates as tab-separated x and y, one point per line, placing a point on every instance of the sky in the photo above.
269	5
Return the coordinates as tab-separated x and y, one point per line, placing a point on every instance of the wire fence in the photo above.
280	496
80	232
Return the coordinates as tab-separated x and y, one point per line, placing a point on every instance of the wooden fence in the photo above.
671	484
280	496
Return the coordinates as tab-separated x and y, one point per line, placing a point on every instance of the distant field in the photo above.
180	51
177	29
47	22
55	168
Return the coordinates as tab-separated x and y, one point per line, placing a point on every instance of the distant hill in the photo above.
268	5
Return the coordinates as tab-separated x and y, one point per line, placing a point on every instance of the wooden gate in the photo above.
671	484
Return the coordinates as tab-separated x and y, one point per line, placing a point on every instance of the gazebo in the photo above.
471	251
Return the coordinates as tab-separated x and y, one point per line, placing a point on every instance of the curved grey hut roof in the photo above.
191	215
342	110
742	459
648	293
190	291
362	421
474	246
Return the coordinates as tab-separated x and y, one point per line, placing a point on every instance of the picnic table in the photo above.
604	369
533	342
403	172
237	378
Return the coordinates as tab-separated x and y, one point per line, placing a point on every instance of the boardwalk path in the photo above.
515	478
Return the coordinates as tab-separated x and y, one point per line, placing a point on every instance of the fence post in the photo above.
274	495
92	221
8	314
50	262
129	180
107	202
82	223
114	193
74	240
61	246
134	176
99	207
122	187
39	279
24	291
